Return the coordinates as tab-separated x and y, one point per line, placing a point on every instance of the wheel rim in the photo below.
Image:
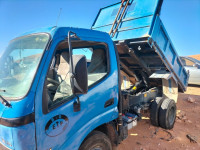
172	115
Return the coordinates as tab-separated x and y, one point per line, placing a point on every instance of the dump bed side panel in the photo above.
136	21
167	52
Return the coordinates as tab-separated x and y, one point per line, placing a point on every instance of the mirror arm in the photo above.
70	55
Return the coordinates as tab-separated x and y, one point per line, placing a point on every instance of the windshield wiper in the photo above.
4	101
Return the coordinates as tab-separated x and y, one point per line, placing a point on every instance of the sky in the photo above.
181	19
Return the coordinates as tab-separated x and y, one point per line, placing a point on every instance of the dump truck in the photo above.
72	88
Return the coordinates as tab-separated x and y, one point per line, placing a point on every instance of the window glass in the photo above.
131	7
57	86
114	12
187	62
19	63
84	51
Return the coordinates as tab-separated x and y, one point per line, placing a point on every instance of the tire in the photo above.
154	110
96	141
167	114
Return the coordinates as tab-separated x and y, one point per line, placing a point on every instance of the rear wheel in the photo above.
154	110
167	114
96	141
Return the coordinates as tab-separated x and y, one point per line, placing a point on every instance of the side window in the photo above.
96	62
187	62
57	86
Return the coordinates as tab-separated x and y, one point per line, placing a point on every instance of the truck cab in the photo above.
38	106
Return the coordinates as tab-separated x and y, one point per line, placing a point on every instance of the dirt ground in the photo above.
184	136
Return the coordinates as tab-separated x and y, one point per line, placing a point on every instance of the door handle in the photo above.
109	102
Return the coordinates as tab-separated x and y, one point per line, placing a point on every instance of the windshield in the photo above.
19	63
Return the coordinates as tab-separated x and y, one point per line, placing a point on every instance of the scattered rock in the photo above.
192	138
189	121
181	115
138	143
190	99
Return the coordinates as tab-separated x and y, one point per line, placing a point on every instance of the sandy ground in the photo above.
193	90
147	137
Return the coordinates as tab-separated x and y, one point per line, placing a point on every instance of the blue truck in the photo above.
60	87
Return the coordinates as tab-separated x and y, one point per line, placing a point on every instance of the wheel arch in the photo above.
110	130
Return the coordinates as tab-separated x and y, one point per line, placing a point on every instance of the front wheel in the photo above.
96	141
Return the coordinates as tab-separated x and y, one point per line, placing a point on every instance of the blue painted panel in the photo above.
177	67
24	137
20	108
18	138
162	40
6	138
171	55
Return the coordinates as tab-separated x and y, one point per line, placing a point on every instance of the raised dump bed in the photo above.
142	40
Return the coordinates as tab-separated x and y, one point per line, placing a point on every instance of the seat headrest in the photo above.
64	57
98	55
98	62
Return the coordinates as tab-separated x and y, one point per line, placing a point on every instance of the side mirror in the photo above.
80	77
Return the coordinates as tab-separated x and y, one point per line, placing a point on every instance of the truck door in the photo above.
56	121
